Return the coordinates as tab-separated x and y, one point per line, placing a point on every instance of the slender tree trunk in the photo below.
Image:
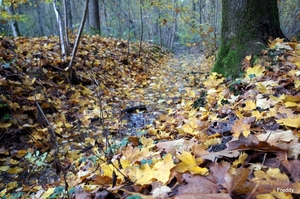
66	34
246	28
105	16
194	14
69	69
134	30
200	11
159	28
175	16
61	31
129	35
69	15
40	18
142	26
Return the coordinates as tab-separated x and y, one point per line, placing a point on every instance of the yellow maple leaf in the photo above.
258	115
14	170
249	105
147	142
47	193
275	194
213	80
291	122
90	188
37	96
4	168
3	192
11	185
240	127
107	169
4	125
241	160
185	129
271	177
297	83
161	169
213	141
256	71
13	161
189	163
140	175
13	105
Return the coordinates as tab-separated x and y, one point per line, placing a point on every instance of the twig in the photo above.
58	165
105	133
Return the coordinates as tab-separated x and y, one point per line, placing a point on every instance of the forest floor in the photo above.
154	126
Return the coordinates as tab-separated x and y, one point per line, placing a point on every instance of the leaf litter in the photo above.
155	126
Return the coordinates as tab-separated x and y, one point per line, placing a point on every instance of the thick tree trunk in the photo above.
247	25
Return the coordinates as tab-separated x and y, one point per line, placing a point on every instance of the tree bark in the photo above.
142	26
94	17
40	14
70	72
69	15
13	23
66	35
61	31
247	25
105	16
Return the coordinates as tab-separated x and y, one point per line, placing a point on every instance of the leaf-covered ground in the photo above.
154	126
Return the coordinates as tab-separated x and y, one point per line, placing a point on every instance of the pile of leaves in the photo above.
210	136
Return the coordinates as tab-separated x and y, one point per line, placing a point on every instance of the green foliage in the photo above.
91	158
6	16
37	159
200	102
4	112
3	104
235	85
58	191
228	61
146	161
13	195
134	197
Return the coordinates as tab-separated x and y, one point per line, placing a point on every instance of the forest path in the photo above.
178	81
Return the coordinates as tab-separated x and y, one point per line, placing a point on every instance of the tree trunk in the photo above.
105	16
61	31
69	15
174	28
66	35
70	72
40	13
142	26
94	17
13	23
247	25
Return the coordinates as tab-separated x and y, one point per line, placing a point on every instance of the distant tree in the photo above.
247	25
13	23
94	17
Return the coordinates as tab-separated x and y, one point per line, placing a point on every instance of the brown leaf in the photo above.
197	185
203	196
293	166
